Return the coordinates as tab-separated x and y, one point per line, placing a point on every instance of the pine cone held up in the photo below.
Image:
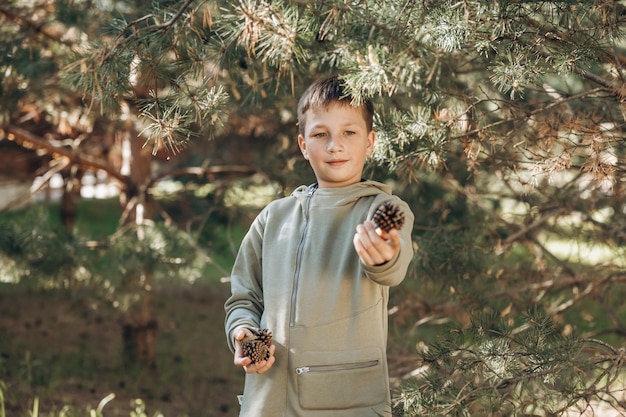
388	216
257	346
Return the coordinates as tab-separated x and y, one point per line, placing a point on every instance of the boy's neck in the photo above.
317	185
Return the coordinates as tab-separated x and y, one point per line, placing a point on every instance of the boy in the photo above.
316	273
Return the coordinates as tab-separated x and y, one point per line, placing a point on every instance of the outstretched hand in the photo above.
246	362
374	246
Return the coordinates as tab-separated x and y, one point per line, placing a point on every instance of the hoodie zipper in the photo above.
296	275
341	367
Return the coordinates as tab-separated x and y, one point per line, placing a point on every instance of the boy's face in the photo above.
336	143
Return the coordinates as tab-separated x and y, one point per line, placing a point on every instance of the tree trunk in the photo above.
140	325
71	191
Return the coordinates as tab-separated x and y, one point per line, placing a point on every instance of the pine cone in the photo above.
388	216
257	346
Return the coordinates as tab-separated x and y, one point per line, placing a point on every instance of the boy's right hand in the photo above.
246	362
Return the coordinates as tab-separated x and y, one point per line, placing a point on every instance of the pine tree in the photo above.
499	121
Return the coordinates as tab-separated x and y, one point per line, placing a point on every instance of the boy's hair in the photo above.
326	91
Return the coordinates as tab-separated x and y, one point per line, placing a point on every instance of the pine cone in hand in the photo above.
388	216
257	346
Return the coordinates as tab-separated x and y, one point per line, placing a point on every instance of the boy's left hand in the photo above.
374	246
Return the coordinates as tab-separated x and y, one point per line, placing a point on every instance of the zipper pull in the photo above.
302	370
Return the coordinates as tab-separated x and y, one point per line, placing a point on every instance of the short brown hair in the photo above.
326	91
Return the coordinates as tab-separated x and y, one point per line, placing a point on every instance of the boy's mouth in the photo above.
337	162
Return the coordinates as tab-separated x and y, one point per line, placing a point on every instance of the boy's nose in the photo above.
334	144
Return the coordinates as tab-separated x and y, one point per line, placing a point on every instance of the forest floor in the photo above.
61	349
66	350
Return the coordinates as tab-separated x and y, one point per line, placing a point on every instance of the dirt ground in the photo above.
65	349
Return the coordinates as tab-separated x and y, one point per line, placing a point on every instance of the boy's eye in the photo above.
319	134
350	132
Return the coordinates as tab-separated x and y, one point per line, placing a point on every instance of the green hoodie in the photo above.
298	275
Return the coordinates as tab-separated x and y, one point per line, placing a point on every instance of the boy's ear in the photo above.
302	145
371	140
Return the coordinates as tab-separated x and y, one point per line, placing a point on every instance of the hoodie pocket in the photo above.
341	380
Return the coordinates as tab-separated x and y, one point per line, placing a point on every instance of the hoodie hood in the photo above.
343	195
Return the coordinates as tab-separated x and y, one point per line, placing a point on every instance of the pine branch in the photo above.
29	140
508	372
173	19
560	284
124	35
526	116
533	225
605	85
317	5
